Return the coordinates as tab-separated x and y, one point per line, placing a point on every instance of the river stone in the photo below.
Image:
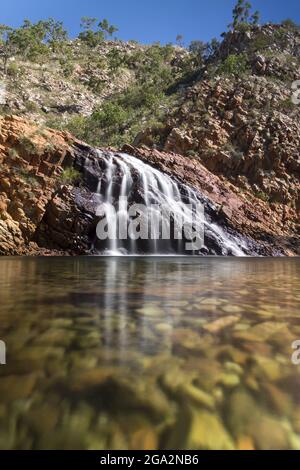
231	308
43	418
55	337
294	441
85	380
269	434
164	327
150	310
14	387
80	418
241	411
221	323
198	429
144	439
280	401
296	418
43	352
187	338
245	443
233	367
267	368
229	380
199	397
261	332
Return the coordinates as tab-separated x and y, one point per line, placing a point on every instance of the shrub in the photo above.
31	106
69	176
235	64
28	145
29	179
290	25
261	42
262	196
13	69
288	105
13	153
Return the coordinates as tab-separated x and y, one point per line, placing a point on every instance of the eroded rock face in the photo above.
42	213
31	160
240	129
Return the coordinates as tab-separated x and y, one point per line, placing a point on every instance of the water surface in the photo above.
149	353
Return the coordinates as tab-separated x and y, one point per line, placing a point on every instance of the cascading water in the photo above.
126	180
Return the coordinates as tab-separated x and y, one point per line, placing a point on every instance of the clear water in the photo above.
149	353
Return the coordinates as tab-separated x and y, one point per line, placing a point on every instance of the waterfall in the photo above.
126	180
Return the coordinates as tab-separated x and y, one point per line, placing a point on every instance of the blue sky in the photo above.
147	20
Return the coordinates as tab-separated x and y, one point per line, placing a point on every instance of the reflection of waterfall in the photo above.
125	180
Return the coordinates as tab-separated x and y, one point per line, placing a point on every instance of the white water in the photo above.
127	176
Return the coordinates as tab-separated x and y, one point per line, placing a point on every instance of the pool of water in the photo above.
149	353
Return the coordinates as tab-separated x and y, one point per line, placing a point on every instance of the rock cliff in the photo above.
48	202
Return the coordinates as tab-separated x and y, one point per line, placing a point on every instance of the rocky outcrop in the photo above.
48	196
244	130
39	210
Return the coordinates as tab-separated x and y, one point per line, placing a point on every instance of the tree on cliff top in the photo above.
93	32
241	15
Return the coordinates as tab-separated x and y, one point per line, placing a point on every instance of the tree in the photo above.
6	49
255	17
94	32
90	35
108	30
29	39
198	49
179	40
55	33
212	46
241	14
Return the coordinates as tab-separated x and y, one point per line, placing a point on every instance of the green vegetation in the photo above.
28	178
262	196
235	64
241	15
145	102
290	25
119	120
28	145
288	105
95	32
69	176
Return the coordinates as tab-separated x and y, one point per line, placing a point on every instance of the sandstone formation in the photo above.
48	201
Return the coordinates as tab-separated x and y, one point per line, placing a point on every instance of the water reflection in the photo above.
149	353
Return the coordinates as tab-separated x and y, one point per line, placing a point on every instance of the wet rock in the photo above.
89	379
151	311
279	401
245	443
199	430
11	388
267	368
221	323
144	439
43	418
56	337
261	332
241	412
270	434
196	395
229	380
